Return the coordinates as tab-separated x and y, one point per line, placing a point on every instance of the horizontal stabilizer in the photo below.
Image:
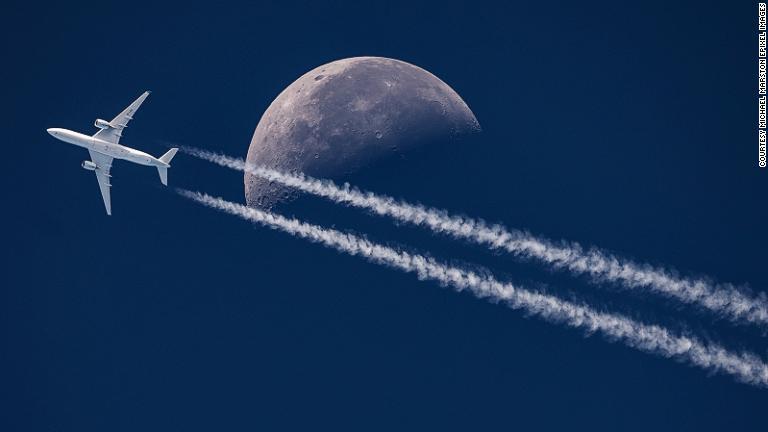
166	158
163	171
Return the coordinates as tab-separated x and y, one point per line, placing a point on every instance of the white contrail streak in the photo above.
725	300
653	339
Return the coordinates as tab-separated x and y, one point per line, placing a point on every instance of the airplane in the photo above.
104	147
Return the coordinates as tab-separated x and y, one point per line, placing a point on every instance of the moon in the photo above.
345	115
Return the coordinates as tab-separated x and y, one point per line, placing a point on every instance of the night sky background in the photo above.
627	126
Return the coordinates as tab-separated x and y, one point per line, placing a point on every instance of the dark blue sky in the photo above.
631	127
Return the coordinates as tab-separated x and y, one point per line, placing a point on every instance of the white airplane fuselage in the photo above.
104	147
116	151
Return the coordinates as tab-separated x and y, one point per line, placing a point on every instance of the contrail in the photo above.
653	339
725	300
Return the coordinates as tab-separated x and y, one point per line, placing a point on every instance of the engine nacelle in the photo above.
102	124
90	166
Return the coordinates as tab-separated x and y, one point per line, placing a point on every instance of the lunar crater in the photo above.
347	114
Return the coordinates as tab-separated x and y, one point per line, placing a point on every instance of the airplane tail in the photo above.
166	159
163	171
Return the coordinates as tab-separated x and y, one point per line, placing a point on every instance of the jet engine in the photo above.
89	165
102	124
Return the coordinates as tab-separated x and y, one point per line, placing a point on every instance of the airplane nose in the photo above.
51	131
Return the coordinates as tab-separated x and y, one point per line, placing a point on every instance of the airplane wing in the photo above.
115	130
103	165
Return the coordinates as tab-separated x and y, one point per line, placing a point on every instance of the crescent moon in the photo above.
347	114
